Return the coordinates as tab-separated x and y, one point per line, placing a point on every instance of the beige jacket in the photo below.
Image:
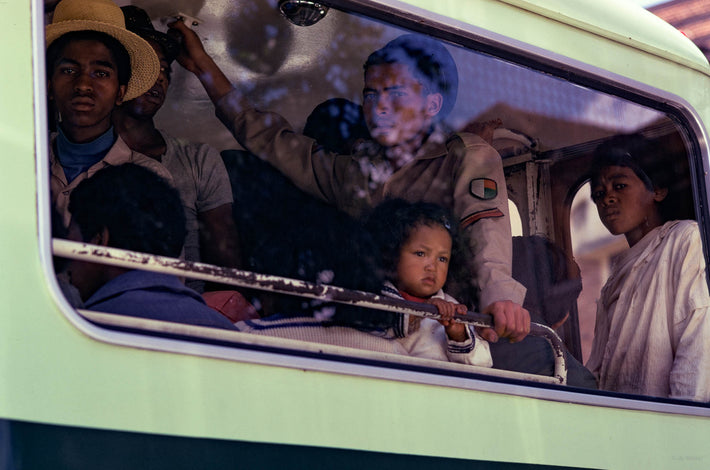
443	172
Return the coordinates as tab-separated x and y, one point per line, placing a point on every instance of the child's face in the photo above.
625	205
397	108
424	261
84	86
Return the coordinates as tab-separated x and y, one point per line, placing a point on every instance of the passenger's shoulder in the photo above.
472	144
469	139
682	237
682	229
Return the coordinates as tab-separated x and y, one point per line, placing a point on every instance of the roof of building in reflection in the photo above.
691	17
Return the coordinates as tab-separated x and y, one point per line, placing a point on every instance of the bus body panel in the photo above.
59	369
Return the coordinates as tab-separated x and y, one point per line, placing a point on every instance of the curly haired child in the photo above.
415	242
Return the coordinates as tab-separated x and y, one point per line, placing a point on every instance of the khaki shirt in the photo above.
117	155
443	172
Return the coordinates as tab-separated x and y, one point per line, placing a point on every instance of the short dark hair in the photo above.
320	244
392	222
118	52
141	211
429	61
632	151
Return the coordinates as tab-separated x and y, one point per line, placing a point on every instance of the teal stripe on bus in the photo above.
32	446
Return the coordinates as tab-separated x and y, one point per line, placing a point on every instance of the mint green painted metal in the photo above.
548	23
57	368
622	22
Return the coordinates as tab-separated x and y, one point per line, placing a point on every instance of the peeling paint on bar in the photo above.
282	285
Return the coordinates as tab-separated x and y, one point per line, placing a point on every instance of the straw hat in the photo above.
106	17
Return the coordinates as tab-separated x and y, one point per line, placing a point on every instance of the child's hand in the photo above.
454	330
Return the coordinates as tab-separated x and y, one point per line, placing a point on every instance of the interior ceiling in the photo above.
260	51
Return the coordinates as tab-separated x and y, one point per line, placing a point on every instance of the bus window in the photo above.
610	258
548	124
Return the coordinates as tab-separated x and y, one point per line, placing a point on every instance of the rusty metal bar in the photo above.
247	279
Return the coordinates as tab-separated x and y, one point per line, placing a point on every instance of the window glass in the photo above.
546	132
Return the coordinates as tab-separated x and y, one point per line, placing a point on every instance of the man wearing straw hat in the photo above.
93	64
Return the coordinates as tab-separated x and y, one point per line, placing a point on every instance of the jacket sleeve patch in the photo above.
476	216
483	188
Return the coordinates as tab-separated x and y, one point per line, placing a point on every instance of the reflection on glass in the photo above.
548	126
302	12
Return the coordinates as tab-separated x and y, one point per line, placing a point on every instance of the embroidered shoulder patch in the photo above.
476	216
483	188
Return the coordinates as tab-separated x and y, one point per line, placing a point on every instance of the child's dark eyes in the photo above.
619	186
597	195
443	259
419	253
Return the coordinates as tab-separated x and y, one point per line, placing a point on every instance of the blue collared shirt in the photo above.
157	297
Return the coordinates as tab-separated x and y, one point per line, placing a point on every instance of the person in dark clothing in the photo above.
132	208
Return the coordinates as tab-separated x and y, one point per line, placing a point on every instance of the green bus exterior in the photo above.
59	372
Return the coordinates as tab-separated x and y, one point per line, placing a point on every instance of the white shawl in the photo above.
652	332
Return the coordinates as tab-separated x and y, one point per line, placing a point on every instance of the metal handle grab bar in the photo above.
247	279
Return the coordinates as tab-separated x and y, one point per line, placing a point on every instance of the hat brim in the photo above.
145	66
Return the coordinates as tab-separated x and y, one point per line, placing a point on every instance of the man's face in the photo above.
424	261
397	108
84	86
625	205
152	100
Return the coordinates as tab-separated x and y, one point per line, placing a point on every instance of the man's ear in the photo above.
660	194
434	102
101	238
121	94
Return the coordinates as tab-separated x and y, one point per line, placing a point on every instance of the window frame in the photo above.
470	37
